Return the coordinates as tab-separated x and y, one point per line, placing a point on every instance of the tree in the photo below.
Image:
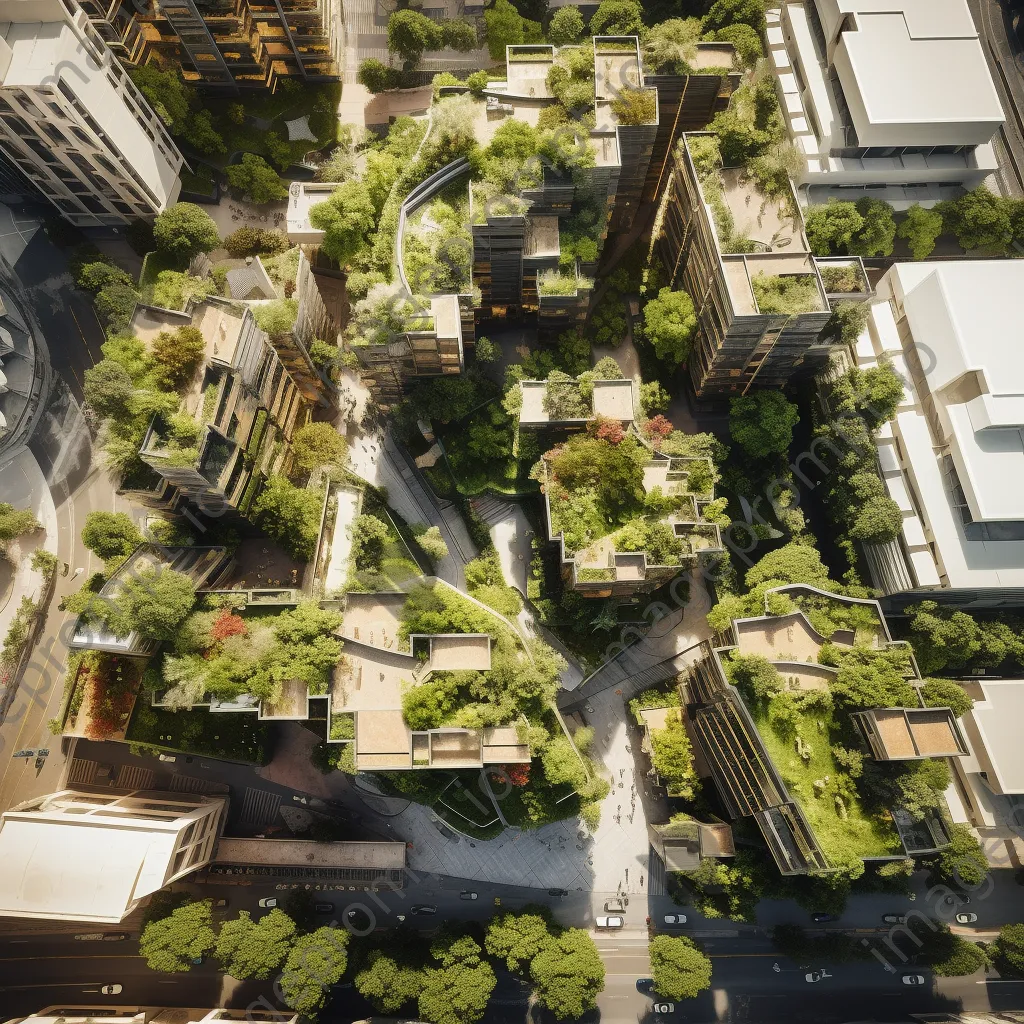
289	514
831	227
679	969
115	305
518	937
109	389
504	27
318	444
920	228
653	397
446	399
979	219
347	217
568	974
15	522
172	943
963	862
944	693
249	241
94	277
153	603
728	12
762	423
755	677
256	180
792	563
617	18
388	983
185	230
566	26
166	93
941	637
179	354
486	350
459	35
747	41
377	76
198	131
253	949
871	684
410	33
672	757
315	963
1009	948
671	46
878	521
670	323
847	321
109	534
876	234
457	991
433	543
277	318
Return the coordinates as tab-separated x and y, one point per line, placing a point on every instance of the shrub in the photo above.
179	354
249	241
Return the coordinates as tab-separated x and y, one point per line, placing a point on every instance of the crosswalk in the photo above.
260	807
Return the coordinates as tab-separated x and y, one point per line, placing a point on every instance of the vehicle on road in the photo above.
609	922
558	892
814	976
111	990
90	937
644	985
913	979
114	937
614	904
423	908
957	897
467	895
324	908
674	919
664	1007
894	918
31	752
821	918
166	757
966	918
268	902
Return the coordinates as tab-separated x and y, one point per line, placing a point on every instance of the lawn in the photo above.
398	567
815	781
234	736
154	264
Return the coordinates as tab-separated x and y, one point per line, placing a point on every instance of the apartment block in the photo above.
894	100
247	401
73	124
94	856
759	295
951	457
228	46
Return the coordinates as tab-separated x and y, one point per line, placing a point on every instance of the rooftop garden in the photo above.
437	247
380	557
786	293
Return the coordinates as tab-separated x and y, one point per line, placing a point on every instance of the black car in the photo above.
558	892
822	918
324	908
423	908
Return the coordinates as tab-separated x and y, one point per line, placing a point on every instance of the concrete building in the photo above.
894	97
72	122
63	1013
952	456
761	300
611	399
248	398
94	856
229	47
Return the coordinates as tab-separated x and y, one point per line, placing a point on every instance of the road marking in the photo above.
1000	981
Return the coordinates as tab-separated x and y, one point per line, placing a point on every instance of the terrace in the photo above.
610	398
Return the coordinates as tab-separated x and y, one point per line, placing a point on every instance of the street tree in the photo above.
15	522
831	227
669	325
347	217
185	230
1008	948
762	423
109	534
318	444
920	228
680	970
963	862
388	982
566	26
95	276
456	991
315	963
517	937
254	949
568	974
172	943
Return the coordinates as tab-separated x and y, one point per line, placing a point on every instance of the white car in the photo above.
966	918
664	1007
816	976
610	922
913	979
267	902
675	919
111	990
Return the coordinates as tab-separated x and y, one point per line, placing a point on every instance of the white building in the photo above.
72	121
64	1014
953	456
80	856
893	93
302	197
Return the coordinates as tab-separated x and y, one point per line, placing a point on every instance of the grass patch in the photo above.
200	181
398	568
154	264
232	736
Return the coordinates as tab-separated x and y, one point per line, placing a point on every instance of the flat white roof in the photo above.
998	719
915	62
78	870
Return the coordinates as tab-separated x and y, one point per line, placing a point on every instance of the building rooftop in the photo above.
897	734
997	717
611	398
302	197
384	856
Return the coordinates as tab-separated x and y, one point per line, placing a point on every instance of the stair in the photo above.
491	510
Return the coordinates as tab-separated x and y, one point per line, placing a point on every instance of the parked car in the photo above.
111	990
894	918
644	985
814	976
821	918
267	902
324	908
166	757
966	918
90	937
664	1007
558	892
423	908
615	904
675	919
913	979
114	937
467	895
610	922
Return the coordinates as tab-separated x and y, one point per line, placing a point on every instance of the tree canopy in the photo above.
256	180
670	323
504	27
680	970
253	949
456	991
318	444
920	228
566	26
568	974
762	423
16	522
517	937
348	216
290	514
617	18
792	563
315	963
108	534
171	944
152	602
410	33
185	230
